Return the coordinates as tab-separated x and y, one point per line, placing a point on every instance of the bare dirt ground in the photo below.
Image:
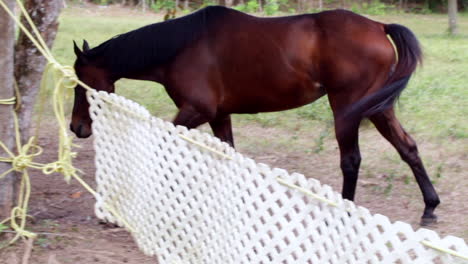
63	216
69	232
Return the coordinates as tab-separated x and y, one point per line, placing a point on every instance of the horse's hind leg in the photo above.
388	125
222	128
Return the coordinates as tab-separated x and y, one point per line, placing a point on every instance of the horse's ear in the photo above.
85	45
80	56
78	52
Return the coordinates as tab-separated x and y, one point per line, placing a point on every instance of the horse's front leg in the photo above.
350	156
190	117
222	128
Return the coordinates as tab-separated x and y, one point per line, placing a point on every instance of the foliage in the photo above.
464	5
250	6
373	8
208	3
271	7
163	5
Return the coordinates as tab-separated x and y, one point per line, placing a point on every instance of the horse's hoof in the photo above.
428	221
106	225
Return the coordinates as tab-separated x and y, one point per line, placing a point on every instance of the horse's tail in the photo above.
409	55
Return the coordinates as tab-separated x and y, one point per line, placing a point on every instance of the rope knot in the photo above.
61	166
21	162
24	159
65	75
70	79
53	167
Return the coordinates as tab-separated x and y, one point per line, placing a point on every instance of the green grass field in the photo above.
434	105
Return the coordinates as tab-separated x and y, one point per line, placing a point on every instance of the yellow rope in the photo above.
63	81
201	145
18	96
9	101
13	100
445	250
20	163
306	192
42	43
44	51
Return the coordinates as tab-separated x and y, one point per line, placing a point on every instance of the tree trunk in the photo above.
452	14
29	63
7	134
310	5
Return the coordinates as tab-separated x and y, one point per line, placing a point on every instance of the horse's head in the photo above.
90	69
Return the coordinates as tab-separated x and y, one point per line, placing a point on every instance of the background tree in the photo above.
29	63
452	14
28	68
8	183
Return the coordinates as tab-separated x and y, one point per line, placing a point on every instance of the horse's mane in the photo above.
155	44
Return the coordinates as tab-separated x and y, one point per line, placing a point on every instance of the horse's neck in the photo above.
155	74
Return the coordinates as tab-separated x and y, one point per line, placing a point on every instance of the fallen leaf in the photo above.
76	195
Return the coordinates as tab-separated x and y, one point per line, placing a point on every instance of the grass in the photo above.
432	106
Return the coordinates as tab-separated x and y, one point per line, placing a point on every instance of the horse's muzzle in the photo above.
81	131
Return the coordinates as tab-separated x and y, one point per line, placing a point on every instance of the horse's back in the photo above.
274	61
271	64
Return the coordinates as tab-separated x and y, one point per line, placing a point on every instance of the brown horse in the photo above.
218	61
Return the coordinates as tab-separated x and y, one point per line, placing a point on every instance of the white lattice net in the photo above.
190	205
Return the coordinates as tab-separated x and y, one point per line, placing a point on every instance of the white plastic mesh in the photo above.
189	205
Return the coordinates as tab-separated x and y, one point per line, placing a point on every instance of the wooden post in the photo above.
28	68
7	133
